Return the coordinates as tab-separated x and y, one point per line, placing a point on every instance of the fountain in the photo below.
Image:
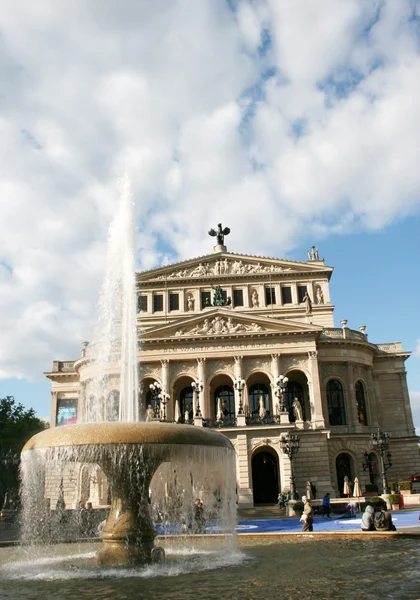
128	451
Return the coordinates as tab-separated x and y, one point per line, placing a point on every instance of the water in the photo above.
261	569
115	336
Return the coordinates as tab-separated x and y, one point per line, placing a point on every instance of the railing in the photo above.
268	420
225	422
62	366
341	333
393	347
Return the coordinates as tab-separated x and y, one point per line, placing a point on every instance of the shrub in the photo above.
393	486
394	499
375	500
298	507
404	485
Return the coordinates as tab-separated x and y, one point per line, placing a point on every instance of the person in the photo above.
307	517
351	509
383	521
280	500
368	519
199	520
90	518
326	505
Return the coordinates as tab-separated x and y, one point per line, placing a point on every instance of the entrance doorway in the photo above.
265	479
343	464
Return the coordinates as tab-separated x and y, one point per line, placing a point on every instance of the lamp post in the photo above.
156	389
198	387
380	440
239	385
164	397
280	385
290	445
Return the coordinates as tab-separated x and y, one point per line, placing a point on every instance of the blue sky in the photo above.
294	122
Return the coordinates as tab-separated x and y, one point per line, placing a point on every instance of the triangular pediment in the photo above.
221	264
222	322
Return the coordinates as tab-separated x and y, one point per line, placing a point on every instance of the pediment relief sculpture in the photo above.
219	326
224	267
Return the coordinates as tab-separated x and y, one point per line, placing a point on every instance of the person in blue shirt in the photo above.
326	505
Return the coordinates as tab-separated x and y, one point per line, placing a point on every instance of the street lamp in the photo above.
280	385
380	440
290	445
156	389
164	397
239	385
198	387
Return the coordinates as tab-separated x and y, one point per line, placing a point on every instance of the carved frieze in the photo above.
152	370
224	267
218	326
225	365
334	369
183	366
256	362
293	362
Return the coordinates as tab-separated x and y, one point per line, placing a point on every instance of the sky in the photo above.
294	123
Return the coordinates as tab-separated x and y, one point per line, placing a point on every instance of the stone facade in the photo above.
264	326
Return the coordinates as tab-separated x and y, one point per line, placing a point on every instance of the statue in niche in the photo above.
190	302
218	299
220	234
187	413
319	296
308	303
261	412
297	409
254	299
150	413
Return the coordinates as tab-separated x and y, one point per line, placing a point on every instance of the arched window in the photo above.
257	391
335	401
186	403
294	390
113	406
361	402
227	400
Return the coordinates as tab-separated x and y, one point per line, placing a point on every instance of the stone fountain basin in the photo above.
129	454
126	433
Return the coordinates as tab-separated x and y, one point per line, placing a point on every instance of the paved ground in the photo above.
403	520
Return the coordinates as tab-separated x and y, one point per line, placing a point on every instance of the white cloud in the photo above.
305	110
417	350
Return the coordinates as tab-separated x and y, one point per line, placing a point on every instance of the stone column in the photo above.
165	388
201	376
237	370
54	410
353	416
315	398
245	497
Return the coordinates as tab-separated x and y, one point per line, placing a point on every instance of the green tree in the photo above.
17	425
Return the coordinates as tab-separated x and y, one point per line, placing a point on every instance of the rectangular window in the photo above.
224	297
142	304
286	295
270	296
302	289
205	299
157	302
173	302
66	411
238	298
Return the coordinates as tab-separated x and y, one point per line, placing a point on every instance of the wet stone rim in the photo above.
126	433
